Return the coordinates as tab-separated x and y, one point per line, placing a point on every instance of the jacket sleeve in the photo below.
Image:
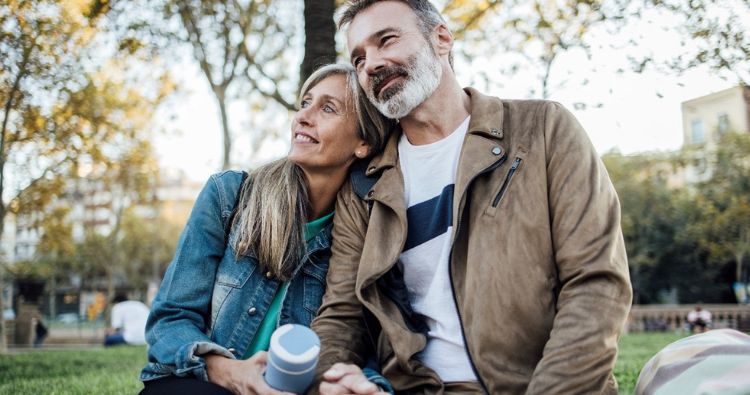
594	285
180	315
340	323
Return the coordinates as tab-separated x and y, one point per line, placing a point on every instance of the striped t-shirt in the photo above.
429	175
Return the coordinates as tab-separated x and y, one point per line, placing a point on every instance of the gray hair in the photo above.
427	15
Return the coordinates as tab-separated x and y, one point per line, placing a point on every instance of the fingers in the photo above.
327	388
338	370
346	379
358	384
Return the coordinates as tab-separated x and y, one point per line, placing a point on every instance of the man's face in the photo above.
396	66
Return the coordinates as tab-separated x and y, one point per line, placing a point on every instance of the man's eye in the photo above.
358	61
385	39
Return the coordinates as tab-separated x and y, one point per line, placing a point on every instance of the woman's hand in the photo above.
241	377
347	379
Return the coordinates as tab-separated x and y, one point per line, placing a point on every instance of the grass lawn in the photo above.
115	370
82	371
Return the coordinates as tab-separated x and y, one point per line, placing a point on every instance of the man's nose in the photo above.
374	62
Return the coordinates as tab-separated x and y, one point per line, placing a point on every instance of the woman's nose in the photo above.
304	116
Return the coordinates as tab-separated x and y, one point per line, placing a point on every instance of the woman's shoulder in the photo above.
234	177
223	188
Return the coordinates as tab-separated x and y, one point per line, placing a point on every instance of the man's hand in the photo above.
240	377
347	379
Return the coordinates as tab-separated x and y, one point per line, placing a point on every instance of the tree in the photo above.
525	35
146	247
714	34
663	229
240	48
727	192
56	250
62	103
320	36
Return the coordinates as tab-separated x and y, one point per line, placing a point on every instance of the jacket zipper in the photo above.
506	183
453	287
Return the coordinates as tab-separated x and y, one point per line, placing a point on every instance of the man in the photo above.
481	252
128	320
698	320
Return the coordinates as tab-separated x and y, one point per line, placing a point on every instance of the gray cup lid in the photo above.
294	347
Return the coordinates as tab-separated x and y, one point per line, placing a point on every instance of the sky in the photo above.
639	112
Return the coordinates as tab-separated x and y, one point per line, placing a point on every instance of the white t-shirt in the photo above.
429	176
131	317
703	315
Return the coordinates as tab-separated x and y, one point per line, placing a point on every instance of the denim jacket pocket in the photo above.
234	270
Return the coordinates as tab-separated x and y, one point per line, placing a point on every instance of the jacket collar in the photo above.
486	119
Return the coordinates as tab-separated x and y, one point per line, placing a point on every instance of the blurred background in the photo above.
114	113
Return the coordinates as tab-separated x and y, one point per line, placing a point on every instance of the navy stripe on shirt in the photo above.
429	219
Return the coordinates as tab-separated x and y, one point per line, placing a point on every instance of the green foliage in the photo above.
685	236
146	247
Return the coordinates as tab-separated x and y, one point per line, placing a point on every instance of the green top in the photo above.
262	338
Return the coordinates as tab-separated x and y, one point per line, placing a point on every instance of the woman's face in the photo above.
324	130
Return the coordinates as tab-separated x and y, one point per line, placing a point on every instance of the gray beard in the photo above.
423	77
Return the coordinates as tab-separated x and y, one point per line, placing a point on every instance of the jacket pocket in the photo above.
506	183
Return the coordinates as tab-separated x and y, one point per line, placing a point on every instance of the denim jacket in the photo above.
210	301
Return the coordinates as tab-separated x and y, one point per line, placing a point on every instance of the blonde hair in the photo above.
273	205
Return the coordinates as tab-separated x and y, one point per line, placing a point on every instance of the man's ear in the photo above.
443	39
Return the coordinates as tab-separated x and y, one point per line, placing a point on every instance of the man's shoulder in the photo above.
486	105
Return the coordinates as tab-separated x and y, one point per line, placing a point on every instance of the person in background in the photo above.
127	323
699	320
254	253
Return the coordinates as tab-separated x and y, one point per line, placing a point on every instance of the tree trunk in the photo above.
320	31
225	130
3	346
53	297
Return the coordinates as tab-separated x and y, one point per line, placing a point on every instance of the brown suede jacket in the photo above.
538	265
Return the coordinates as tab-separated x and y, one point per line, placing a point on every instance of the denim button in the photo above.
252	311
269	275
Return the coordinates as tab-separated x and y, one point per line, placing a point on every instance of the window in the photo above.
723	124
697	136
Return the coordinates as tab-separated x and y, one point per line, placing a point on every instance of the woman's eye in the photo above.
304	103
327	108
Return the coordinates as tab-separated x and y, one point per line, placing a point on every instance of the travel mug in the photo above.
292	358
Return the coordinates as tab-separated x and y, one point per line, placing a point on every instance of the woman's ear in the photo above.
362	150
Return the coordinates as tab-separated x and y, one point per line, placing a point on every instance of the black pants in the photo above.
182	386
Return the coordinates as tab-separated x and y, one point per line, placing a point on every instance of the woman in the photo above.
254	252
